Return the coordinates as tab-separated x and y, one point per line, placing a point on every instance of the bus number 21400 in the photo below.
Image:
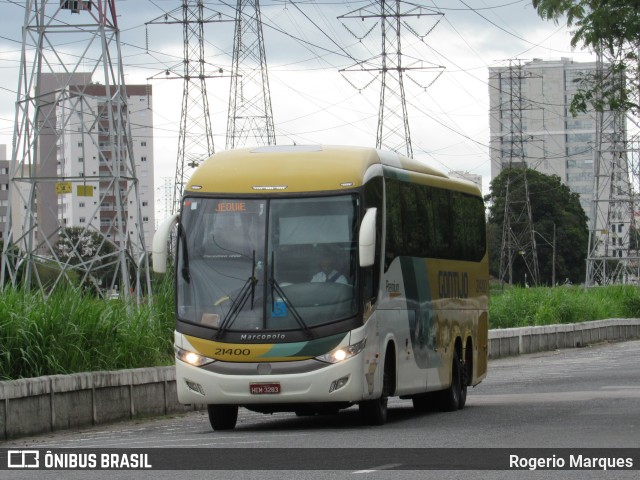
232	352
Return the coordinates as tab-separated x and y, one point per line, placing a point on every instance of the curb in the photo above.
39	405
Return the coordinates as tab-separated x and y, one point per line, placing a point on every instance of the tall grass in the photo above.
520	307
68	332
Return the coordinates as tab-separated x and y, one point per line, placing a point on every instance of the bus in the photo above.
310	279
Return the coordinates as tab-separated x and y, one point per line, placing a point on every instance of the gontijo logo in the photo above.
453	284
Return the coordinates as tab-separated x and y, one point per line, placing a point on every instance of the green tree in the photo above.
609	26
552	202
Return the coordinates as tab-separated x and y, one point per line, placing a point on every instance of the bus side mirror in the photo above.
367	238
159	250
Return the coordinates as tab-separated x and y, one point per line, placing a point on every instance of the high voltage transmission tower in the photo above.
195	141
72	163
612	218
393	131
518	234
249	97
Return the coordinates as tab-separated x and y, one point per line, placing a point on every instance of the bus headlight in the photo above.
191	358
342	353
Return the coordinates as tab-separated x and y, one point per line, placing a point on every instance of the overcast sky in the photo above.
306	46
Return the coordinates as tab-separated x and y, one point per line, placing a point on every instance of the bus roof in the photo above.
305	168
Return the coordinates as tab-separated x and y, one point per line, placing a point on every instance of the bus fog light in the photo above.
195	387
338	384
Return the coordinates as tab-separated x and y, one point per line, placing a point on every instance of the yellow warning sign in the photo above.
63	187
85	190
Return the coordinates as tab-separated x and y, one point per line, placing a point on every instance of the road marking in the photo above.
376	469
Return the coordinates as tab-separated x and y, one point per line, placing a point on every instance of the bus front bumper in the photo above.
339	382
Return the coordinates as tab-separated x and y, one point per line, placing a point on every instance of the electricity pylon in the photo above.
612	216
195	141
393	132
72	151
250	112
518	234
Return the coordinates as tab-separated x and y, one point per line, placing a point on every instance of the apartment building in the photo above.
107	187
530	122
76	182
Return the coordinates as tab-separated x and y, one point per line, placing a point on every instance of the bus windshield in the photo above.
267	264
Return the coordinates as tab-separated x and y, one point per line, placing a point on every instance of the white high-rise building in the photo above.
530	120
95	202
76	151
164	198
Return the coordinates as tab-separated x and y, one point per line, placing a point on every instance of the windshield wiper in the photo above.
247	290
275	286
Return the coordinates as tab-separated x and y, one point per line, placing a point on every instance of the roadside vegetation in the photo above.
522	307
70	333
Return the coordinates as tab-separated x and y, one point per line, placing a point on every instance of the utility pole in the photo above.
518	234
393	132
553	258
552	244
250	112
612	216
72	151
195	142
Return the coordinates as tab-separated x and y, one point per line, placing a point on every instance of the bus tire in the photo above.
465	369
223	417
450	399
374	412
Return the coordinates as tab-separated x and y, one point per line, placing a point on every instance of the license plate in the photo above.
264	388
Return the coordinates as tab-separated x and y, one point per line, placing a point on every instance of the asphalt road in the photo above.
585	398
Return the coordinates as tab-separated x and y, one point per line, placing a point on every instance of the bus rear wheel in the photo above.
451	398
223	417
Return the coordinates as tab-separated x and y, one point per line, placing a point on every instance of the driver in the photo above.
328	272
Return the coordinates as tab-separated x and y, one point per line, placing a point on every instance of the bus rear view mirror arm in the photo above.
367	238
159	250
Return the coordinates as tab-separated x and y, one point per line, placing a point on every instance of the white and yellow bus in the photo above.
313	278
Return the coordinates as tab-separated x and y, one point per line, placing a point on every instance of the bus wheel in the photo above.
450	398
464	382
374	412
223	417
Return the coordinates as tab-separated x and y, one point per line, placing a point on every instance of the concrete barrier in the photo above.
44	404
39	405
515	341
